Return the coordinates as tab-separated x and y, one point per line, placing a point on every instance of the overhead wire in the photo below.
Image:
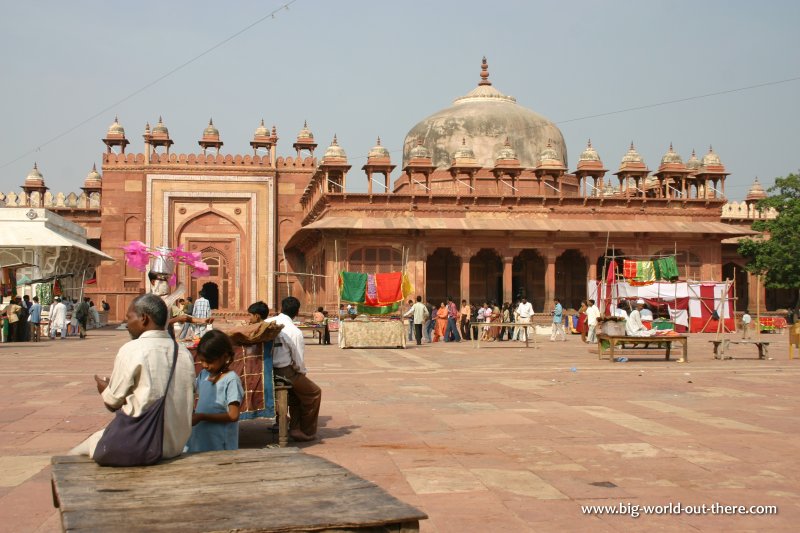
270	15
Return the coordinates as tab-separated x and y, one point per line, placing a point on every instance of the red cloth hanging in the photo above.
389	287
629	269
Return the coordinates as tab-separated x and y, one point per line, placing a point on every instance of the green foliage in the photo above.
778	257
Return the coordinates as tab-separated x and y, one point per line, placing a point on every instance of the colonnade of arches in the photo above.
486	277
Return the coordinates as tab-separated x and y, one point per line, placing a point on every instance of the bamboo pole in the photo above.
601	298
758	305
286	272
338	290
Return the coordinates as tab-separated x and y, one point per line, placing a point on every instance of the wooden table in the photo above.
317	330
721	346
613	340
476	333
243	490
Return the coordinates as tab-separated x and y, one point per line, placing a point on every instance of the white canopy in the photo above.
30	234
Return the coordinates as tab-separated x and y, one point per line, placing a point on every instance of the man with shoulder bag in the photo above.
151	390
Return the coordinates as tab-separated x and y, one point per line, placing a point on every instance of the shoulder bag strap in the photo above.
172	371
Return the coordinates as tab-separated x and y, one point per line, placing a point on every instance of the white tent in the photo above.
42	244
690	304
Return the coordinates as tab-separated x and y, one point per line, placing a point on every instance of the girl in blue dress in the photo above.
219	390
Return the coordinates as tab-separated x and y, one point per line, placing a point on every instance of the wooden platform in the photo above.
622	340
721	346
244	490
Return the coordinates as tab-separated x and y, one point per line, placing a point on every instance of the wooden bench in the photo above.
476	338
317	331
621	340
256	490
721	346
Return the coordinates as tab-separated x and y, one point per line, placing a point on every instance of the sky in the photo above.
362	69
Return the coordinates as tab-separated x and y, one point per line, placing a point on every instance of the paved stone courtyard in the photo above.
496	439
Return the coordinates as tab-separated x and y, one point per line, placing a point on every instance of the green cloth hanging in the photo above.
378	310
666	268
645	272
352	286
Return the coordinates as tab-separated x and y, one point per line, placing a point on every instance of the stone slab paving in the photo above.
497	439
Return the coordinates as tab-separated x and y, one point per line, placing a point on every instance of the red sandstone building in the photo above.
485	209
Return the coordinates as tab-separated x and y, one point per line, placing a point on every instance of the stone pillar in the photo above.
756	301
418	257
466	254
508	261
549	276
592	270
369	182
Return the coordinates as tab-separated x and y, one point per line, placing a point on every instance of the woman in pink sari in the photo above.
441	322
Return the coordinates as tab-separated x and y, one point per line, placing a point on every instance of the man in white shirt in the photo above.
58	319
140	374
634	326
419	314
525	312
288	351
592	314
201	310
746	320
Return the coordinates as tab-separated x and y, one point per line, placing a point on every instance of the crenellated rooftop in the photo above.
227	160
54	202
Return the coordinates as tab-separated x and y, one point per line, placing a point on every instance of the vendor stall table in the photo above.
372	334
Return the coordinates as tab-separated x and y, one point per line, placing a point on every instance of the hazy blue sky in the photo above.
362	69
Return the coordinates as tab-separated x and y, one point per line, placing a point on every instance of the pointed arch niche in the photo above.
442	275
231	213
219	240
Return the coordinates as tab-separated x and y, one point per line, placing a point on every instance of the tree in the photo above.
776	256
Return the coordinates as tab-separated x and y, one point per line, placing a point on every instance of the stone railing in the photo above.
52	201
744	211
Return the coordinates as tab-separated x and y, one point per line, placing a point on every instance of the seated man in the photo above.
140	374
634	326
647	315
288	361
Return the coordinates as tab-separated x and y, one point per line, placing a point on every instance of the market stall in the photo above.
47	253
377	298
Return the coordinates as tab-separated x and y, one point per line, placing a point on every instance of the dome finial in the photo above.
274	130
335	140
94	167
210	121
670	147
507	141
632	147
589	144
484	72
379	140
305	123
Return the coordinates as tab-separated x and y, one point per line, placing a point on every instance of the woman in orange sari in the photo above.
441	322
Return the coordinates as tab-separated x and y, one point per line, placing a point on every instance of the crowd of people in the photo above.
447	322
22	318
